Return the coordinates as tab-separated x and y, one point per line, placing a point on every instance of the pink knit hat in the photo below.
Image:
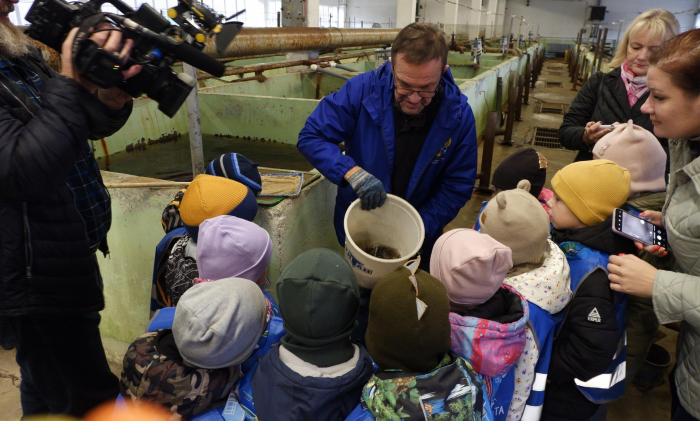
634	148
231	247
471	265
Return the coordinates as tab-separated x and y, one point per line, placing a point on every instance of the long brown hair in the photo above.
680	58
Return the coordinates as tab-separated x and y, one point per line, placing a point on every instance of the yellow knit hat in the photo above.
592	189
209	196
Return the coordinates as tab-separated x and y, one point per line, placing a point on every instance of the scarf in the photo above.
636	85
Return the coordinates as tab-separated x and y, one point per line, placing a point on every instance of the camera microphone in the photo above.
183	50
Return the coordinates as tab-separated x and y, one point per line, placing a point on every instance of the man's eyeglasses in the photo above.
409	92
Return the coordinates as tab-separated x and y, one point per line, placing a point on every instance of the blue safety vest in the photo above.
542	326
610	385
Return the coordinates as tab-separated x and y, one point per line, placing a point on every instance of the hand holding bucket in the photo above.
396	226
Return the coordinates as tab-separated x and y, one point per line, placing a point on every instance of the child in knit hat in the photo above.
540	273
175	265
316	373
588	357
488	319
231	247
192	367
408	337
233	166
639	151
525	164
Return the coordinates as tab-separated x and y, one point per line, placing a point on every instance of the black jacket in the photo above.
602	98
583	349
46	265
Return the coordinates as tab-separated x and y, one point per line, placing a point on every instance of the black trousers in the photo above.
62	362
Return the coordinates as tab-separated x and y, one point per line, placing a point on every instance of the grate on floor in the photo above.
554	67
551	108
555	73
553	84
546	137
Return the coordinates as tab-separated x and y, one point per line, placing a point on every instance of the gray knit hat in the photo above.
217	324
517	220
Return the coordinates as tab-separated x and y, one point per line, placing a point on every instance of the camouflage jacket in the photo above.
153	371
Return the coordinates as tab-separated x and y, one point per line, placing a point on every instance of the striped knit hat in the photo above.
592	189
237	167
209	196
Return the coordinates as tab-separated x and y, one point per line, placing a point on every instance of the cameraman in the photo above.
54	215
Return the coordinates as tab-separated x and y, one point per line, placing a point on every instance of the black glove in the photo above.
368	188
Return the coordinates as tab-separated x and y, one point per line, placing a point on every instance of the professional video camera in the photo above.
157	44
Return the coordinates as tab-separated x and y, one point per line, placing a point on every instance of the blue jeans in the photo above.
62	362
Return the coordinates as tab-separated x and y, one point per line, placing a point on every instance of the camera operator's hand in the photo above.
113	98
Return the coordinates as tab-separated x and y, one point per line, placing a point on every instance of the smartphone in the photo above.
636	228
606	126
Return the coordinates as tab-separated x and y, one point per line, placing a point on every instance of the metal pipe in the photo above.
341	67
316	68
597	48
261	67
195	126
275	41
528	79
602	48
282	40
512	105
499	101
487	153
519	102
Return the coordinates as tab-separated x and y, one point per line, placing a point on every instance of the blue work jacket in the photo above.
361	114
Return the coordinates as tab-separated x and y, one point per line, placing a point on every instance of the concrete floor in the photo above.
654	405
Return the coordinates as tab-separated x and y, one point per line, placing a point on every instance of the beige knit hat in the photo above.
639	151
517	220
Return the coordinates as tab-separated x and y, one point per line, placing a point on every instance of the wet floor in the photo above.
171	160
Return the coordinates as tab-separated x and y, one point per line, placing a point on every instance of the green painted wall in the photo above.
280	119
295	225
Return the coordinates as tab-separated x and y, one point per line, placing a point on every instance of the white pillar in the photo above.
500	17
453	14
491	10
474	18
312	14
405	12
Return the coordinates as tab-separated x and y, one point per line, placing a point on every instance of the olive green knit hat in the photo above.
396	338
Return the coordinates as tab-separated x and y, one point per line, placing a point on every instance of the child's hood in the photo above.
491	336
549	286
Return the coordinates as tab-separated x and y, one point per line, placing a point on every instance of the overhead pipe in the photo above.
316	68
265	41
282	40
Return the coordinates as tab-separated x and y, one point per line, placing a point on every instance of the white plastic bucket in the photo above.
396	224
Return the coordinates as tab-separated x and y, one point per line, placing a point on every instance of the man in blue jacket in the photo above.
408	130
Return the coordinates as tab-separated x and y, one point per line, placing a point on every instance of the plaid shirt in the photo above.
91	198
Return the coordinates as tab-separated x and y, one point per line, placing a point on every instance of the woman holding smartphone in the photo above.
674	110
617	96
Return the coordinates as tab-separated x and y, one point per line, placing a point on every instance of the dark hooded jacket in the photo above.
281	393
46	263
583	349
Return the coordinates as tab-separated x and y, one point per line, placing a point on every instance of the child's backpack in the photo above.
453	391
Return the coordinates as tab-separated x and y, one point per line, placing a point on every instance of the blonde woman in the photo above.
617	96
